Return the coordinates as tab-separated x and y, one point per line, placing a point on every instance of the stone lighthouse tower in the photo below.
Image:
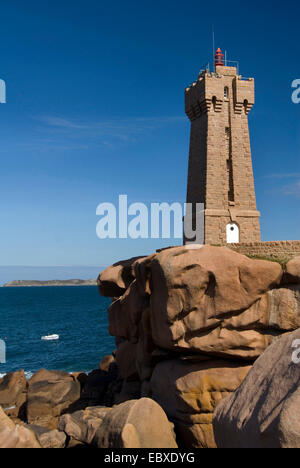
220	173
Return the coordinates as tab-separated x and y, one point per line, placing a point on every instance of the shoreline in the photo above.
47	284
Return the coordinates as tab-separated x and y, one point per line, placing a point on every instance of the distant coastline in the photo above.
33	283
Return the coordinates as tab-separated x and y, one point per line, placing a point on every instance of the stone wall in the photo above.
276	249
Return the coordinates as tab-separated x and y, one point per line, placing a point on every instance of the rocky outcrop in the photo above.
13	394
49	439
194	328
135	424
115	279
15	436
200	298
281	308
12	385
83	425
192	321
265	411
50	393
189	392
55	398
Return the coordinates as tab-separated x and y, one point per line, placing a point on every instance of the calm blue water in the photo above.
77	314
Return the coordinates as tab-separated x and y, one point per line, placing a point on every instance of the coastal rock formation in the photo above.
281	308
200	299
135	424
12	386
115	279
190	391
194	328
50	393
49	439
265	411
53	440
191	323
57	398
15	436
83	425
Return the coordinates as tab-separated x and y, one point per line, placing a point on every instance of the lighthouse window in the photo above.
226	92
214	102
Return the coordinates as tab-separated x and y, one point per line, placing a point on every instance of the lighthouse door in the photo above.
232	233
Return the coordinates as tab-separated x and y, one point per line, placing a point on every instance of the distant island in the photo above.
72	282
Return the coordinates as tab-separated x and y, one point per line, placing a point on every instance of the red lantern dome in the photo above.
219	59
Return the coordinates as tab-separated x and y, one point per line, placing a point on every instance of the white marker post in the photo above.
2	92
2	352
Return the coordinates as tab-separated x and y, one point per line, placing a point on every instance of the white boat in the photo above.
50	337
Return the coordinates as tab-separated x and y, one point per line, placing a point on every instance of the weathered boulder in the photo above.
12	386
17	412
53	440
276	312
292	272
83	425
288	424
264	410
49	439
14	436
283	308
200	296
189	393
115	279
50	394
135	424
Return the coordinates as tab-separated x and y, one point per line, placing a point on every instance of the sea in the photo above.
77	314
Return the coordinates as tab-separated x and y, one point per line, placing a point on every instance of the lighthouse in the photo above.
220	173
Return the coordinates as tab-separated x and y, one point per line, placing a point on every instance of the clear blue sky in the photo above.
95	108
